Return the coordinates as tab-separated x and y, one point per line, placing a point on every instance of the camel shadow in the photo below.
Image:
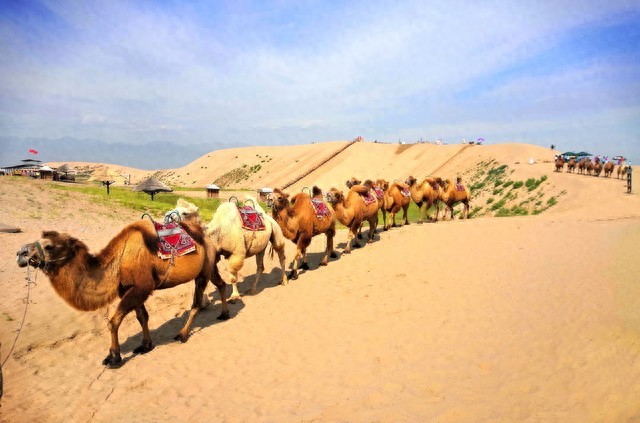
166	332
267	280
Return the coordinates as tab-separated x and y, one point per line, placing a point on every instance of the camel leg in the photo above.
216	279
421	209
131	300
281	258
259	271
384	220
235	264
143	318
405	213
392	218
201	283
373	222
332	253
294	271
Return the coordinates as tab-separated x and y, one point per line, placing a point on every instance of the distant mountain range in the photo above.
150	156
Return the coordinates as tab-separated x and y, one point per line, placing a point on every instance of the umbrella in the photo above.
568	154
152	186
618	158
583	153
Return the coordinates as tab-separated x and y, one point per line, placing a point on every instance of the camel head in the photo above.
382	184
351	182
187	211
335	196
368	183
278	200
49	252
410	181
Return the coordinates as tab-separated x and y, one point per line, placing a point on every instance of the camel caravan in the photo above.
592	167
148	255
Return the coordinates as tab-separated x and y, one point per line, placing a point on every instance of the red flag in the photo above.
32	151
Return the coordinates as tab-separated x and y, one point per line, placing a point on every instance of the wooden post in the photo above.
107	183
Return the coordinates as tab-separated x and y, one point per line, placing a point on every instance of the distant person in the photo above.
629	170
553	147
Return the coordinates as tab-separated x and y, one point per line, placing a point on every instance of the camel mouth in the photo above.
24	260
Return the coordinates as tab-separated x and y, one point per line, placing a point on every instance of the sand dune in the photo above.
532	318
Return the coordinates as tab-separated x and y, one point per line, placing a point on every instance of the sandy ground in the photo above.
492	319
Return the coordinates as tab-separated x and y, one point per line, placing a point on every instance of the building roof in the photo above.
213	186
152	184
265	190
45	169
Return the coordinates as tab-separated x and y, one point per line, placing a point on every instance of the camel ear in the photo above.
50	234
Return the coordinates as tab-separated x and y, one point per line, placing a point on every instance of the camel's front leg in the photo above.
198	292
259	270
392	220
329	252
143	318
131	300
422	207
281	258
294	271
405	216
235	264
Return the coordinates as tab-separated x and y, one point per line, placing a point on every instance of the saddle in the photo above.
173	240
379	192
251	219
368	198
320	208
405	192
459	187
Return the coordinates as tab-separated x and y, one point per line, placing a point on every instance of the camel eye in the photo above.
48	247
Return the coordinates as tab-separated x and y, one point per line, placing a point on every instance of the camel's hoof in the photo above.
250	291
305	266
333	254
293	275
234	300
179	337
420	222
143	349
224	316
323	263
370	241
284	282
386	228
346	252
113	361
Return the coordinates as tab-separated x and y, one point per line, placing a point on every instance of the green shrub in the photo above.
490	200
498	204
552	201
518	184
507	184
497	191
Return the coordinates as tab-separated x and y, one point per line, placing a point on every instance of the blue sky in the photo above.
291	72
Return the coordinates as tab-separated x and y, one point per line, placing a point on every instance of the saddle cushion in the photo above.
368	198
459	187
405	192
321	208
379	192
173	240
251	219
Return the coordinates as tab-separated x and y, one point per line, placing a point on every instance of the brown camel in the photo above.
453	194
571	165
128	267
396	197
559	164
299	223
597	169
376	192
425	194
622	170
582	165
589	167
235	243
608	169
352	211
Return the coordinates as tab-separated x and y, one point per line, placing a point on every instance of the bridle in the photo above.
43	263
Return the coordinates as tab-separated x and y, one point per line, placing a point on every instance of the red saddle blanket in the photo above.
368	198
459	187
173	240
379	192
405	192
251	219
320	207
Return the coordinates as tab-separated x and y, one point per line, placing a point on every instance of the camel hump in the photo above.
360	189
401	185
315	191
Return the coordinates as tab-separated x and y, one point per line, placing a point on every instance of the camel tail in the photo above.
270	252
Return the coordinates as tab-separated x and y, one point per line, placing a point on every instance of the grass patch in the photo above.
518	184
498	205
490	200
